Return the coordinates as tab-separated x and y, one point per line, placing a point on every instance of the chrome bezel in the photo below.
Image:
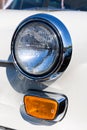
59	98
64	43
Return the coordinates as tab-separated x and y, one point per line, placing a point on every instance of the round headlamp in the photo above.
37	47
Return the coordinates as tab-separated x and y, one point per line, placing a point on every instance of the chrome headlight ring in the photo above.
41	47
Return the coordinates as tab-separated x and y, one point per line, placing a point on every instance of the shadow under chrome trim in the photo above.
5	128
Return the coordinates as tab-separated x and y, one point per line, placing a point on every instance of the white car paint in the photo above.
73	82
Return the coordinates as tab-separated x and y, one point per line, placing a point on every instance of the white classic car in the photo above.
43	65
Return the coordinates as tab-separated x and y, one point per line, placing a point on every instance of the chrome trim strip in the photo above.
65	43
4	63
61	99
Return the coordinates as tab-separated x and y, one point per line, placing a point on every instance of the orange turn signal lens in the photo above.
42	108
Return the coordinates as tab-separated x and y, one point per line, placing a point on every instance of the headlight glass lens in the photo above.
36	48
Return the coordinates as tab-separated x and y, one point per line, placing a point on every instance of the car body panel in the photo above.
73	82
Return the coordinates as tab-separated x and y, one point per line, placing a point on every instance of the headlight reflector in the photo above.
36	48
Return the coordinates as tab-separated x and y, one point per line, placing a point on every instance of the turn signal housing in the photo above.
41	108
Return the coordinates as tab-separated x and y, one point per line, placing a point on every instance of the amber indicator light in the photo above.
42	108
